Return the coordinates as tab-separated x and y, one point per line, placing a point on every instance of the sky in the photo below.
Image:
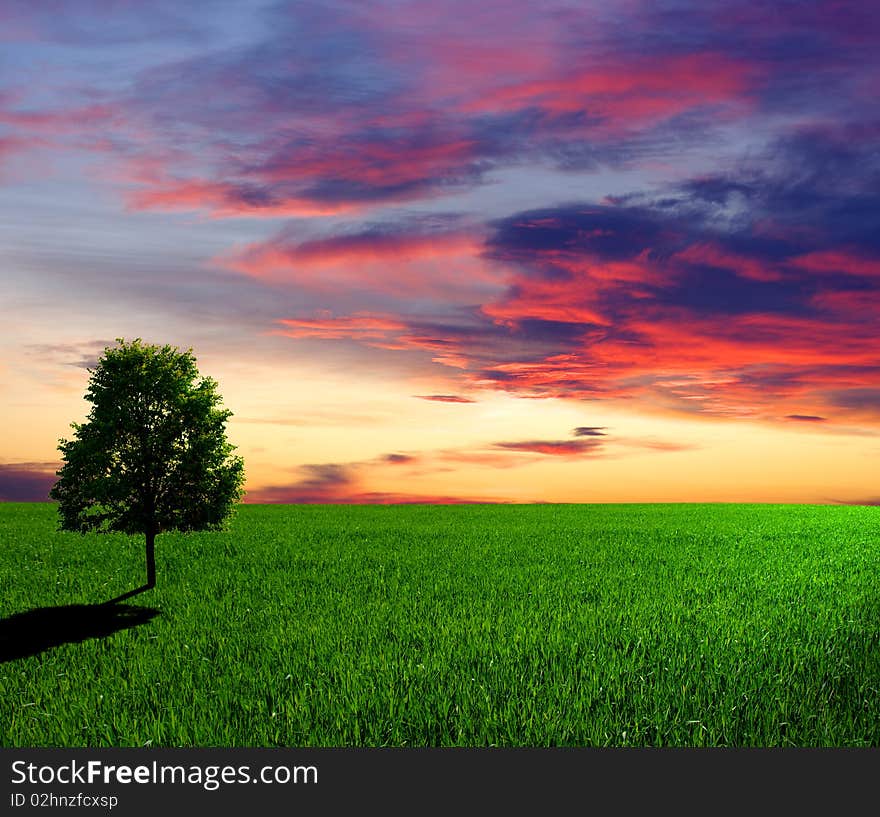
454	251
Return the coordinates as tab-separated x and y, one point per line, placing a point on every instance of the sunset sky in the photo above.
457	251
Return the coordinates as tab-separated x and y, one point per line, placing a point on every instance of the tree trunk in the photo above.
151	558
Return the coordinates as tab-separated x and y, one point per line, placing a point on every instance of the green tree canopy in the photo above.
153	454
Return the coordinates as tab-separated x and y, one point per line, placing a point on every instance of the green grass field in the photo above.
507	625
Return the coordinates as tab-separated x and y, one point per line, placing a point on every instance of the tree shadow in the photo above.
137	591
35	631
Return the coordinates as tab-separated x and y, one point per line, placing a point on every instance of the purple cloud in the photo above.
27	481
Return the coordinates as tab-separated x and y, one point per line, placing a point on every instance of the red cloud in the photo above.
336	483
445	265
445	398
403	164
225	200
717	367
623	342
61	121
368	247
380	331
838	261
713	255
555	448
626	95
61	129
443	130
10	145
361	326
577	297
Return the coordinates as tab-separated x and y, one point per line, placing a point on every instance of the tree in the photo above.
153	455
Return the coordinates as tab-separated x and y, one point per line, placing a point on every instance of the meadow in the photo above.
472	625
